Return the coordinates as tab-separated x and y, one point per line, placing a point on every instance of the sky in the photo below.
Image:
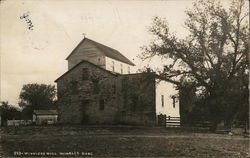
38	55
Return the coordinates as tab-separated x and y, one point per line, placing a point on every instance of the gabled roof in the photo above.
45	112
107	51
84	61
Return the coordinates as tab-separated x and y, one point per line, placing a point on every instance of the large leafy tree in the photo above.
37	95
213	56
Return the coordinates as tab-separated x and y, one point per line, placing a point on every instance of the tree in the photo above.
9	112
213	56
37	95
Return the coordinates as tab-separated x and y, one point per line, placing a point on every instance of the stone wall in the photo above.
137	99
79	99
106	98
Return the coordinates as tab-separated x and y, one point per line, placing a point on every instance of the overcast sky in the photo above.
38	55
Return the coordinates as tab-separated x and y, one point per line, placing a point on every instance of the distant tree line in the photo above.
9	112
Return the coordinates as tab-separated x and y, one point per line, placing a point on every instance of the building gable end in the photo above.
83	61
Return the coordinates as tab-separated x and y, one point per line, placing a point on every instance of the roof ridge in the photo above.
101	44
76	47
112	49
107	51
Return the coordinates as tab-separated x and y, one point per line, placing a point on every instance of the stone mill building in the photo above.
99	88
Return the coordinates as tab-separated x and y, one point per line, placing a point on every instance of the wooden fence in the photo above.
18	122
173	121
176	122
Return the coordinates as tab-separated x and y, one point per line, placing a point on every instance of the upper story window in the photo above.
113	66
85	102
101	104
162	100
125	83
96	88
74	86
128	70
85	74
121	69
114	88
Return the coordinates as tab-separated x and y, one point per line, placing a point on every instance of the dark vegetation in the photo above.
9	112
210	65
36	96
32	96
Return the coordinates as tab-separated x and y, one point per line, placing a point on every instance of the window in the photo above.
83	111
125	83
96	88
85	74
101	104
162	100
99	60
123	112
113	66
128	70
85	102
74	86
135	101
173	97
114	88
121	69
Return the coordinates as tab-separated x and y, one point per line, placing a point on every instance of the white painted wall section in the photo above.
117	66
88	52
167	90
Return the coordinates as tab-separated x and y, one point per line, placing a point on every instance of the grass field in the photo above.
122	141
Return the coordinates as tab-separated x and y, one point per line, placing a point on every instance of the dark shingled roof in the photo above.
109	52
45	112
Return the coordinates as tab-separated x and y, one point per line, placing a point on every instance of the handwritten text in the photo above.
25	16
